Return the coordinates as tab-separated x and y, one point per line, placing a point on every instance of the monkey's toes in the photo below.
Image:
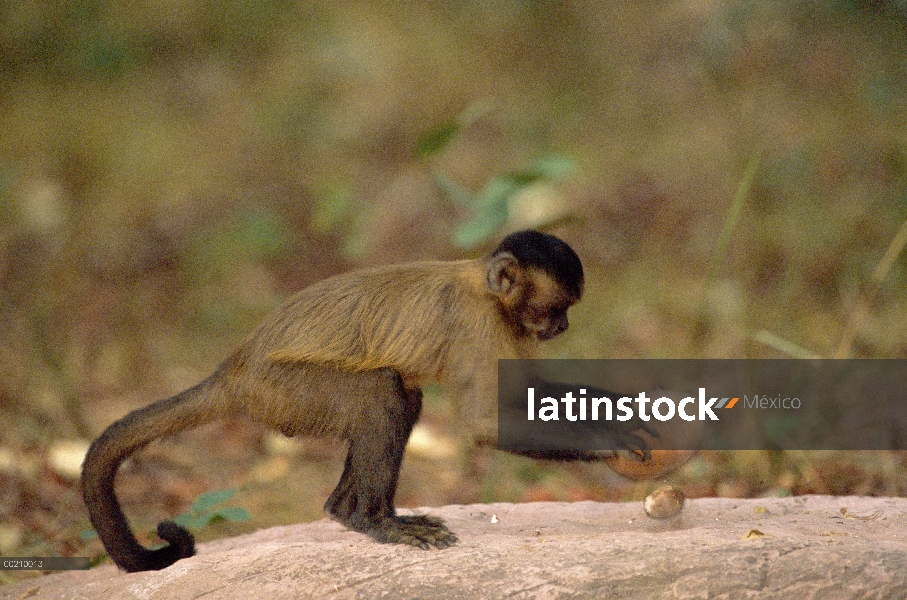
417	530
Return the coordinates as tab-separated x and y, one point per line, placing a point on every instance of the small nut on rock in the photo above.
664	502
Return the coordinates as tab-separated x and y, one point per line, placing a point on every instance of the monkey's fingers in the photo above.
637	447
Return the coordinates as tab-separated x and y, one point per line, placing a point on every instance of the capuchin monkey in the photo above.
347	358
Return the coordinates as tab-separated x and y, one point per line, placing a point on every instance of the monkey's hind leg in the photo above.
364	498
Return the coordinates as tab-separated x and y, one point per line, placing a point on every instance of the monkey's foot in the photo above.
416	530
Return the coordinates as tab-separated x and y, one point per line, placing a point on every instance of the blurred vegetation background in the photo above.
733	174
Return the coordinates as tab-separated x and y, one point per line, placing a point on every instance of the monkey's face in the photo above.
540	306
545	321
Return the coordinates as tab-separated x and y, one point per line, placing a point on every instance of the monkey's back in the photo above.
384	317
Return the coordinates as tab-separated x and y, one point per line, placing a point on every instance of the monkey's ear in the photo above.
503	272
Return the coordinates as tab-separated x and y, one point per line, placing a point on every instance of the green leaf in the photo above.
210	499
197	522
491	204
435	140
453	190
484	226
183	519
214	517
498	191
100	558
553	166
233	514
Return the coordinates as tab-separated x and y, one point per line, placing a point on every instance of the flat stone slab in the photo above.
803	547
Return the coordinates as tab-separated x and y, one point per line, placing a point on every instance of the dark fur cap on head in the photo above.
548	253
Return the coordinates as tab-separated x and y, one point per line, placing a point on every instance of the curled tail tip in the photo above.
182	543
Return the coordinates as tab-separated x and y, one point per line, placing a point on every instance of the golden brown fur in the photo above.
379	317
346	357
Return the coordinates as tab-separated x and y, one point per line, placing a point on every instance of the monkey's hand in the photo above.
627	441
637	446
614	438
627	437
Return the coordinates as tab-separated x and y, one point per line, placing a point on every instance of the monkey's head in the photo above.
536	277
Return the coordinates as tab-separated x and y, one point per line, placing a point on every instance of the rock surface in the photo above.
804	547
